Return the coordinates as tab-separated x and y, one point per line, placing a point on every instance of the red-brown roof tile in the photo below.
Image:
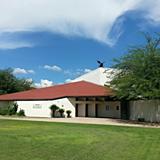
75	89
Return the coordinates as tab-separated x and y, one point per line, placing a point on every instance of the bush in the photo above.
141	120
3	111
21	113
13	110
68	113
61	111
10	111
53	108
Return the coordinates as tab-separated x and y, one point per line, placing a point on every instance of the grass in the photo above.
23	140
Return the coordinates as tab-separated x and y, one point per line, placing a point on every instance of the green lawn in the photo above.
22	140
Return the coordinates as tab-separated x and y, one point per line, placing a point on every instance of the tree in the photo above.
10	83
61	111
68	113
53	108
139	72
12	110
21	112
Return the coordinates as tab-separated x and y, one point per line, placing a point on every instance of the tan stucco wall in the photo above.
102	112
81	110
112	112
91	110
4	104
149	110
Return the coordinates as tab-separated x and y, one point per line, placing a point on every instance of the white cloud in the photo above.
44	83
87	18
29	80
22	71
30	71
151	9
53	68
14	45
12	41
68	80
93	19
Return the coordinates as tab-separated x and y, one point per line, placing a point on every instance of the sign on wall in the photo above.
37	106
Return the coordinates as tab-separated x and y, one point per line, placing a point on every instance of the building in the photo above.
85	96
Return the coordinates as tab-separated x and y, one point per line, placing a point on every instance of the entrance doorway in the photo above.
86	112
96	110
76	110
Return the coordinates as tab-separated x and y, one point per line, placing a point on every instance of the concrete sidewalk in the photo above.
83	120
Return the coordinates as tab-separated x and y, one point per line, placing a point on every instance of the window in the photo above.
107	108
117	108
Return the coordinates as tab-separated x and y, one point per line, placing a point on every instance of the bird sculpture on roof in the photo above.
101	64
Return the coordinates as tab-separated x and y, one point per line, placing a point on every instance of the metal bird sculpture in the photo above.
101	64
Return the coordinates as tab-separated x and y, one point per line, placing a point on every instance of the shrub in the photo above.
61	111
10	111
13	110
68	113
3	111
53	108
21	113
141	119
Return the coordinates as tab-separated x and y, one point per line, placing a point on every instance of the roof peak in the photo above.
96	76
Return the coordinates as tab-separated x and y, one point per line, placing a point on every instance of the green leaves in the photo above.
139	75
10	84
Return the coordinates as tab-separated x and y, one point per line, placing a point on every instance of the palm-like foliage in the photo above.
53	108
61	111
68	113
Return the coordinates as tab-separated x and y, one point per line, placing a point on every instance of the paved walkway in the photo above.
83	120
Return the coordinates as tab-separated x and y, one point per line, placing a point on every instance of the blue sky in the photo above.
54	41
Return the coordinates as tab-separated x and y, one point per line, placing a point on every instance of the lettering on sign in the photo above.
37	106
